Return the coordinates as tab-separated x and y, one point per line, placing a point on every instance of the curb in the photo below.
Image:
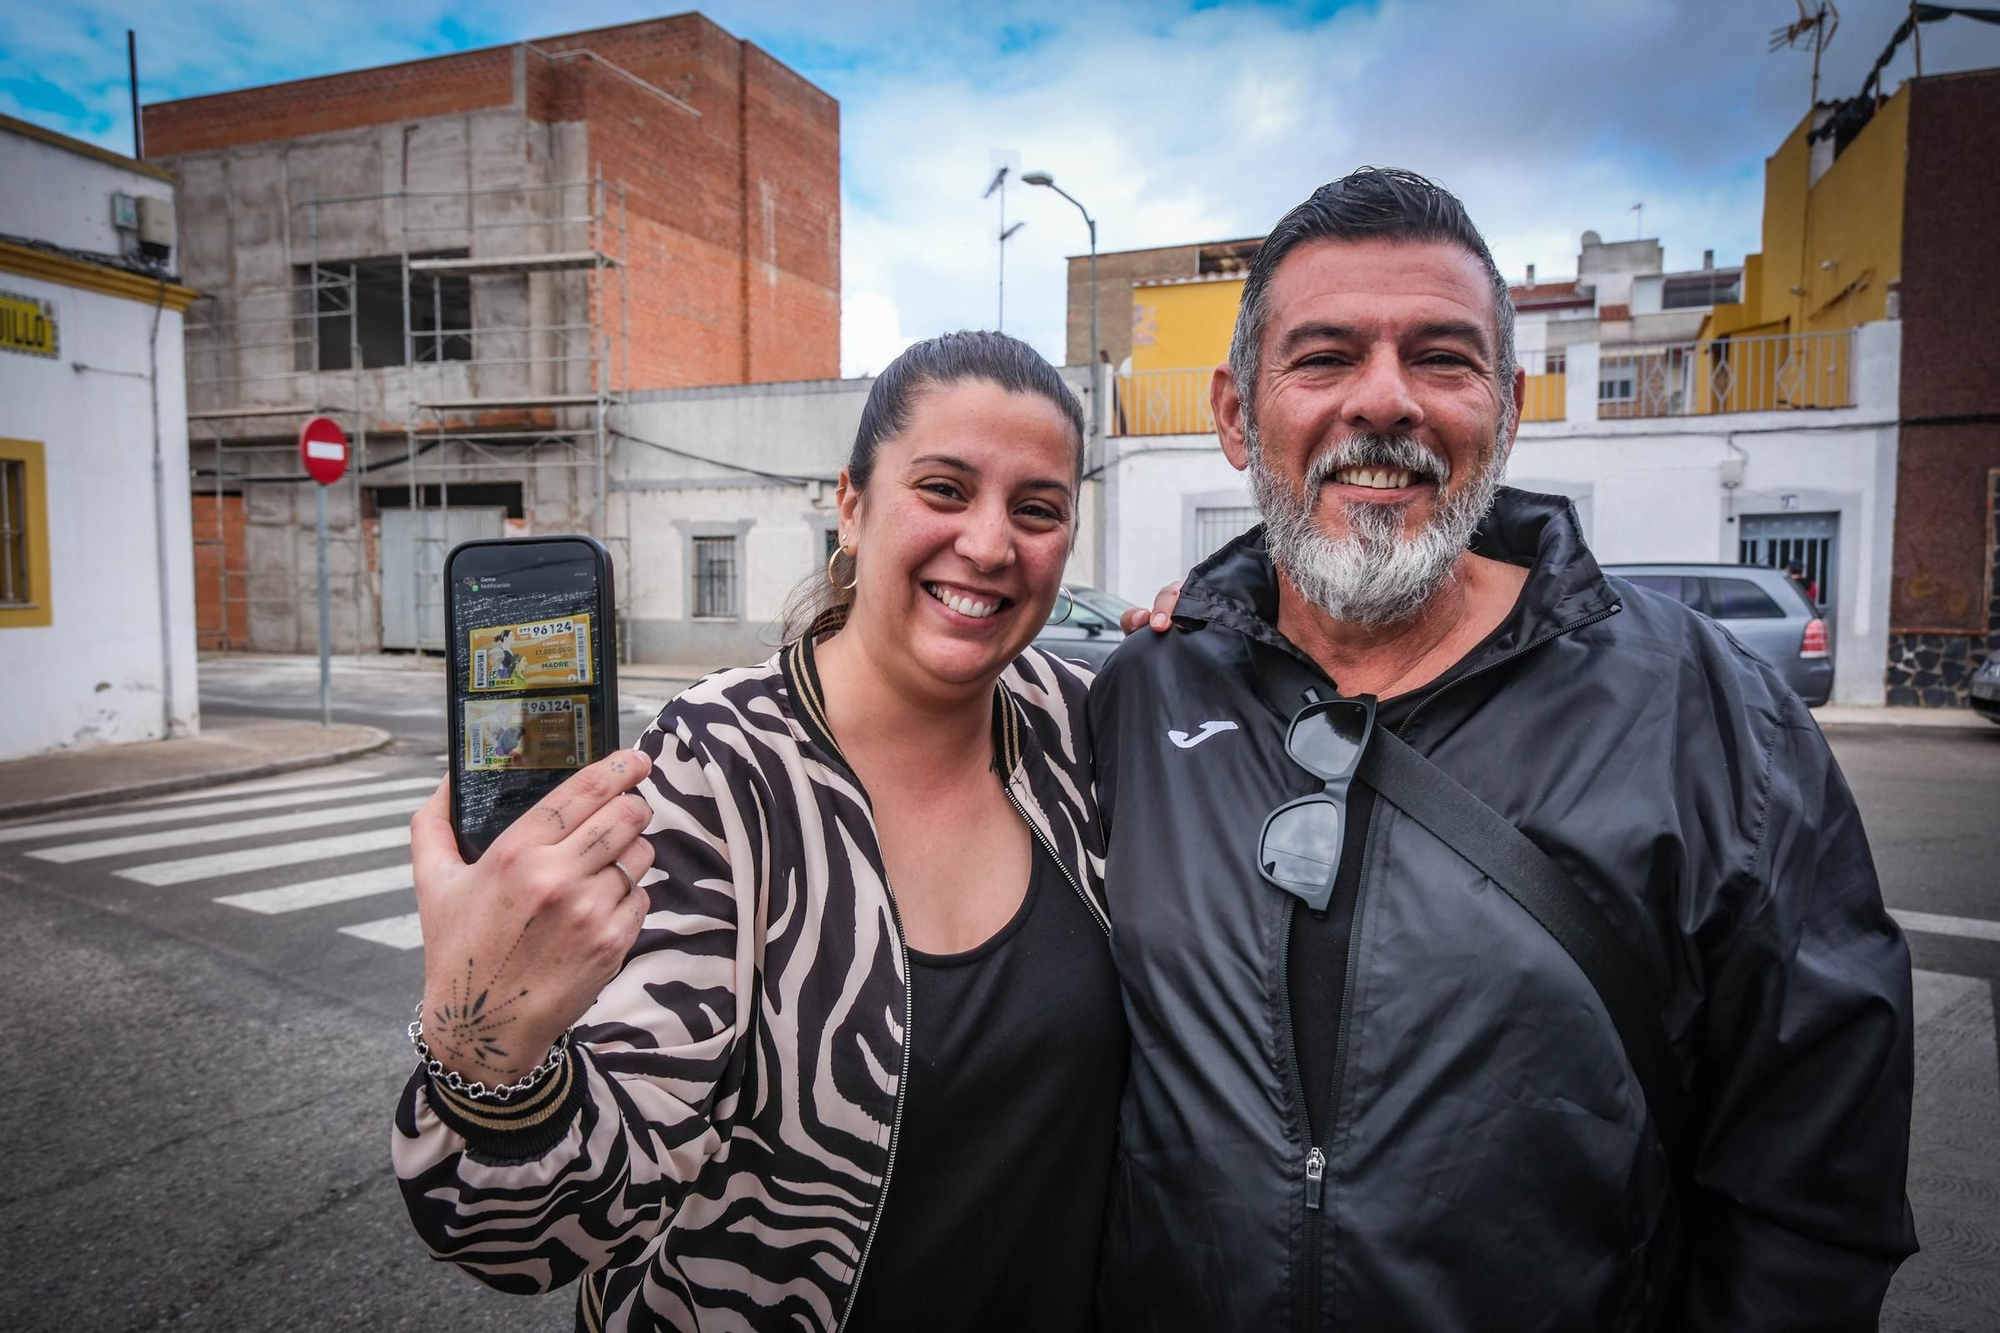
134	791
1905	720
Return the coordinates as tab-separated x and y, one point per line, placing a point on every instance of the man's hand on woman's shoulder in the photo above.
1161	617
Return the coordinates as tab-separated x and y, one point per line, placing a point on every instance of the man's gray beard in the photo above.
1376	575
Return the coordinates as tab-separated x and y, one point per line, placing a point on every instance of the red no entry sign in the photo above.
323	450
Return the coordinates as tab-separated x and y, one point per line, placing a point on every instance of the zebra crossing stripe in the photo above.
1965	927
398	932
138	818
320	892
317	777
225	832
263	858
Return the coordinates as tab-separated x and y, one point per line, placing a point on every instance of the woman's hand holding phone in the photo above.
518	943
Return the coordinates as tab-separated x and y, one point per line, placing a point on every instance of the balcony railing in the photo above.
1546	396
1708	377
1161	402
1762	373
1175	402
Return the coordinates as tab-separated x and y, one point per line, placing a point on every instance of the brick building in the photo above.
1944	606
469	261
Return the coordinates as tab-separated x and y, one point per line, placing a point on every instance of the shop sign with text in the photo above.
27	325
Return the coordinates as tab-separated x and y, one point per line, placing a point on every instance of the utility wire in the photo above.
717	462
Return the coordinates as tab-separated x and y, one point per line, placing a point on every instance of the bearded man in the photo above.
1370	1087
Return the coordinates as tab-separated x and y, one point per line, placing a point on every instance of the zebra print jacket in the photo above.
718	1152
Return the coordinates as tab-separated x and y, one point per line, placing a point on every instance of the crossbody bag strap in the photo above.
1622	979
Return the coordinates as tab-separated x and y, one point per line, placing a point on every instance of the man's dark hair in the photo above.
1796	568
1371	203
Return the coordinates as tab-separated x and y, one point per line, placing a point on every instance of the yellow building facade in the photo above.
1832	253
1180	333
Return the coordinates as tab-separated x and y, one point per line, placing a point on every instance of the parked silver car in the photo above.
1768	613
1985	689
1089	632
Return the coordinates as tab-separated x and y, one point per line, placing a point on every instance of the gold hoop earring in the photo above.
1063	588
834	581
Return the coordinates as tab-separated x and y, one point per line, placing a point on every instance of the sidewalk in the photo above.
1847	715
225	751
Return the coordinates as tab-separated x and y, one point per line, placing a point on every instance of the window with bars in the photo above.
1216	528
14	584
715	577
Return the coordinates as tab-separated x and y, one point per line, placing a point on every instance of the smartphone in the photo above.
531	674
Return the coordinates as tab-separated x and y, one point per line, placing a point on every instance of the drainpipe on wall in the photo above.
160	521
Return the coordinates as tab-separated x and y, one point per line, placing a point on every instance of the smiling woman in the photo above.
981	363
781	1036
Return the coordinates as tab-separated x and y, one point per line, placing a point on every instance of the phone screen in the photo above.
532	696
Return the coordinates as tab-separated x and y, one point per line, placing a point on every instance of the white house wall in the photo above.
1662	498
69	201
97	673
757	462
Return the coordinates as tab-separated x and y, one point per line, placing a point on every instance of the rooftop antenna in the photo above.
1820	24
132	73
1639	224
1005	160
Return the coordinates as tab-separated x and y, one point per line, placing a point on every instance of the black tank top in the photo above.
996	1199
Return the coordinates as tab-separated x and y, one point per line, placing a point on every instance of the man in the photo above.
1407	1108
1795	570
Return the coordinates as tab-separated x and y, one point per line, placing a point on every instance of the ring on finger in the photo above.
630	883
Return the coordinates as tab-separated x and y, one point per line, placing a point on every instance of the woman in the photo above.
774	1094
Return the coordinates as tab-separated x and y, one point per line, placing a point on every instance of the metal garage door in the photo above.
1776	539
414	543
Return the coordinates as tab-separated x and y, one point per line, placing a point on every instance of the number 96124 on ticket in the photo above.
527	733
530	656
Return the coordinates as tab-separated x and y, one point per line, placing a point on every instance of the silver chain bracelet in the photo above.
475	1089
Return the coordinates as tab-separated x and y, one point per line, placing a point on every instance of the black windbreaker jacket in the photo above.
1490	1163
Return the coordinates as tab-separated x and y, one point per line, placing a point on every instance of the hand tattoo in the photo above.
467	1028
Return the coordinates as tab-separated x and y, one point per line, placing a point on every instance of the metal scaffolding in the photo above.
507	348
244	356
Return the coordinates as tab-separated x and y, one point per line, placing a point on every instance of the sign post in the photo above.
323	452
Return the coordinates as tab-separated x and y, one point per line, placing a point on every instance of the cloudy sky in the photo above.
1200	120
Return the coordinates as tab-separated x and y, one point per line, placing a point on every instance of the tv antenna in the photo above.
1820	24
1005	160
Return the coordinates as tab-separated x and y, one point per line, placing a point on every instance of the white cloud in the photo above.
1547	116
871	334
1548	119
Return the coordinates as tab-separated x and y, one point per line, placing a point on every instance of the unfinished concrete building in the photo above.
468	261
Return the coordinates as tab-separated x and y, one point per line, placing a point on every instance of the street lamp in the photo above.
1096	384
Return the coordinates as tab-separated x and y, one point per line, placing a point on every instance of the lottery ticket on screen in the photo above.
533	655
547	732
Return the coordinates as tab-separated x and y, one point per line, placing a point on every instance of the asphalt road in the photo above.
204	1036
402	695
